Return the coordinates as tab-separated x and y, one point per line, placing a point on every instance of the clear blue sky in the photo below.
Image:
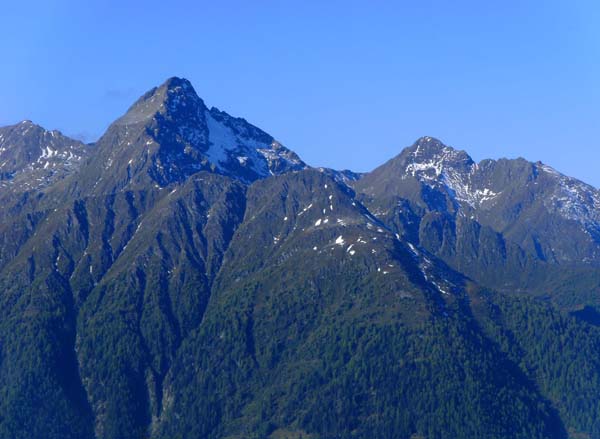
345	84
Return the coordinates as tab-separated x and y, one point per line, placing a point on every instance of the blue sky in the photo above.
345	84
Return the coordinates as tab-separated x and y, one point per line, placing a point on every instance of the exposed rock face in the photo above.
189	276
32	157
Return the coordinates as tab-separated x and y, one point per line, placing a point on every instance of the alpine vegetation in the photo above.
188	276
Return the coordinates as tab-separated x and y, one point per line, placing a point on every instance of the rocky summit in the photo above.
188	276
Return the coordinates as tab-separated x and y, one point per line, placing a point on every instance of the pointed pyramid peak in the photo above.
430	158
174	88
428	140
172	96
428	148
176	82
427	145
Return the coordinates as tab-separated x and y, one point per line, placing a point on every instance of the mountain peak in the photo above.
31	157
169	134
25	127
429	142
430	156
175	82
426	146
173	96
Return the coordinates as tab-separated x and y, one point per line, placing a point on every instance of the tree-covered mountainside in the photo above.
187	276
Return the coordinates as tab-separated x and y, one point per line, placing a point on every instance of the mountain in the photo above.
32	160
188	276
169	134
32	157
510	224
514	197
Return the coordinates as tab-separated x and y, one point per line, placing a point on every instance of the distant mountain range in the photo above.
188	276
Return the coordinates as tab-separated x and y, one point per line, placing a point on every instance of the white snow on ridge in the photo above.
574	199
484	195
43	157
452	168
434	165
226	144
442	166
221	140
